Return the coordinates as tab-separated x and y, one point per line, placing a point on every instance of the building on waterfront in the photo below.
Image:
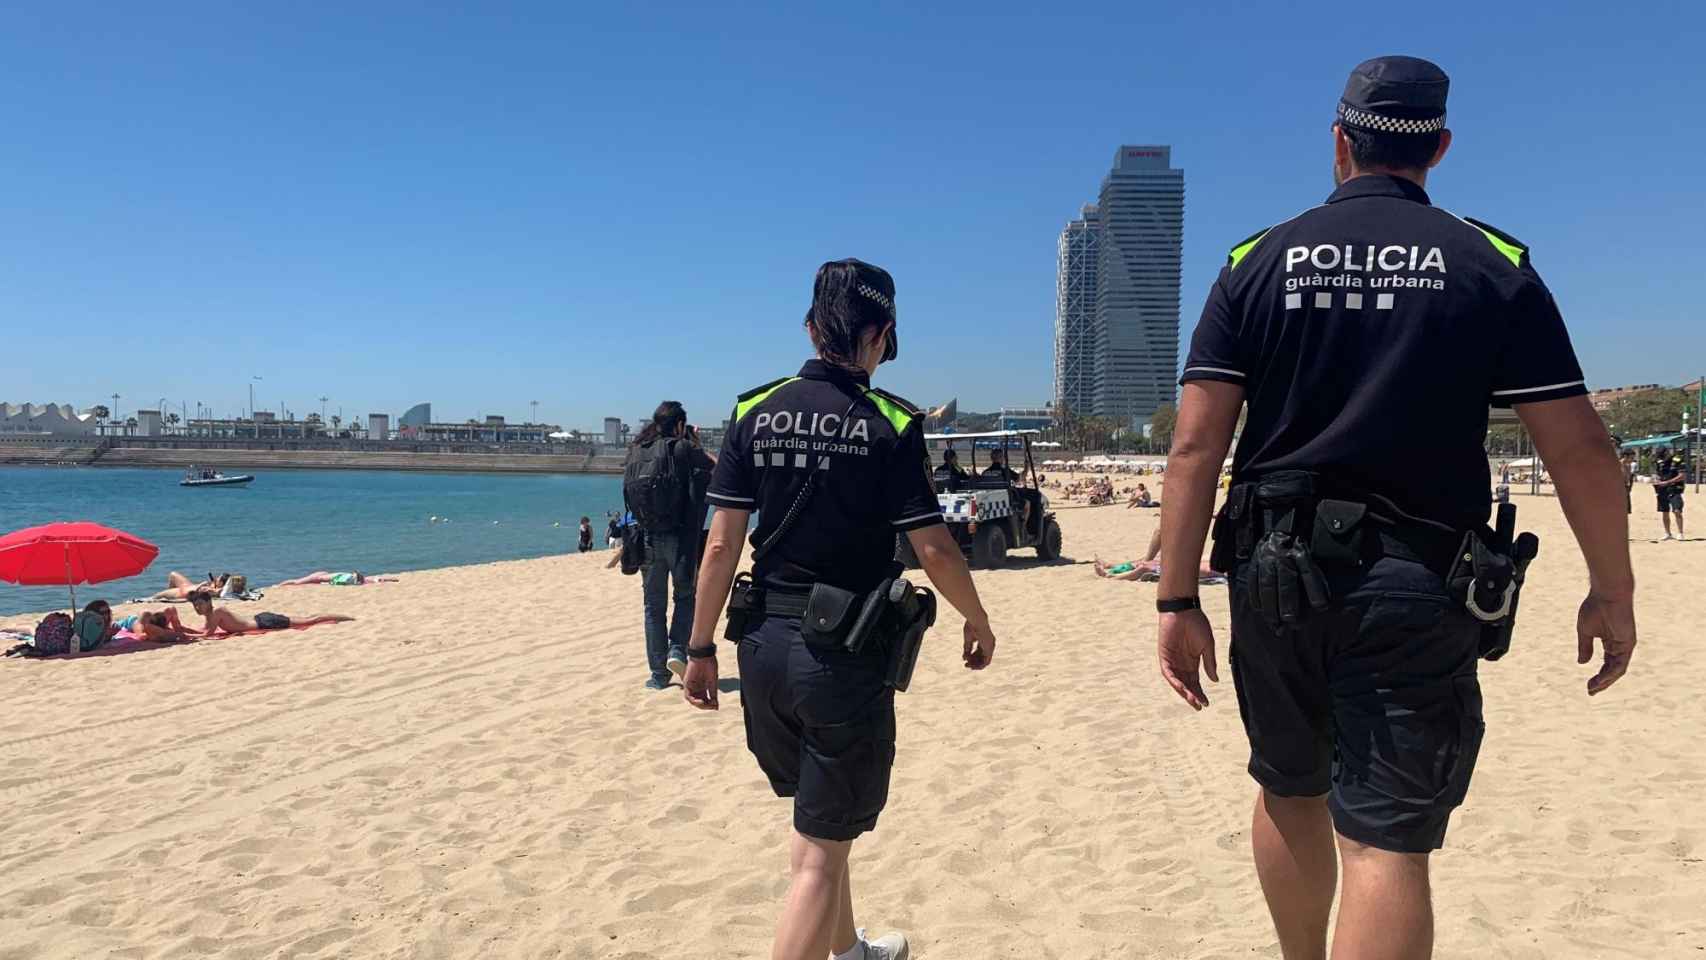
264	425
492	429
378	426
418	415
46	420
1075	312
1025	418
615	434
1128	249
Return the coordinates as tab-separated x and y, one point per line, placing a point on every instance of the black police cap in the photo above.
1395	95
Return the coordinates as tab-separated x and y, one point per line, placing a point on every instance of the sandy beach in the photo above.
472	769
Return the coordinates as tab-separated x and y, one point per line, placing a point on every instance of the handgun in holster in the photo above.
893	621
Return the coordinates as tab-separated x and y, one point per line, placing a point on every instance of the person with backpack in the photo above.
658	489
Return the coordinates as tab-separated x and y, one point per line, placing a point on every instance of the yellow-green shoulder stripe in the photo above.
1501	241
899	414
1243	249
754	397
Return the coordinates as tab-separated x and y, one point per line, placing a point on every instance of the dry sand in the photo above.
472	769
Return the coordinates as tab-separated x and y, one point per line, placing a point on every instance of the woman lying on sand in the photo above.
1150	570
355	579
218	621
179	587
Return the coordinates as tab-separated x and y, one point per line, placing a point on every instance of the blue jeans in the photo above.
669	557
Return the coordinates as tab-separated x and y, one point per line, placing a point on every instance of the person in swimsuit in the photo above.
179	587
353	579
218	621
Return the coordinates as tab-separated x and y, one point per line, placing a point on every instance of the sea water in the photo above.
292	522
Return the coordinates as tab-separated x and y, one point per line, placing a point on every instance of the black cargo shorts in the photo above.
1374	702
821	724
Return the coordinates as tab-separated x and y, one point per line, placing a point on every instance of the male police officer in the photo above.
835	470
1369	336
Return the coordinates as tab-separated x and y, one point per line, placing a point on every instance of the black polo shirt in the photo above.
1371	334
873	476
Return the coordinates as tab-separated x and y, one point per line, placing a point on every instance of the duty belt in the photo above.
1285	527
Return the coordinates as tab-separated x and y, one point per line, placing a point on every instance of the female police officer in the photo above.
835	469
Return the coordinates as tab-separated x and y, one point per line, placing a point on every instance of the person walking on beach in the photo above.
1668	480
1369	336
586	534
835	469
657	486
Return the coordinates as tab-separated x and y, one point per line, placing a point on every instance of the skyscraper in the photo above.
1075	313
1130	344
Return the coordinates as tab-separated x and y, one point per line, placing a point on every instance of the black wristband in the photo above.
702	653
1176	604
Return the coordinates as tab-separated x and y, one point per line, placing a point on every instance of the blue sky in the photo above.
600	205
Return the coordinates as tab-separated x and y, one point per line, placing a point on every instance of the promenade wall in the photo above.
238	455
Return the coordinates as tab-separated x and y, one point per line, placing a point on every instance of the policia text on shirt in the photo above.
1368	336
825	628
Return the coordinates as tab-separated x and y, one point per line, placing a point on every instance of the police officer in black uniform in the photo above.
1369	336
836	469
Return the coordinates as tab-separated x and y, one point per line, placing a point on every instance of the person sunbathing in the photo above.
158	626
353	579
1149	570
179	587
219	621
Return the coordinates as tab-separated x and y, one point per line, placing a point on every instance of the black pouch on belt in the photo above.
1337	540
829	616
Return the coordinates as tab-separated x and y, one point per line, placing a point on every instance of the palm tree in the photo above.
172	420
100	413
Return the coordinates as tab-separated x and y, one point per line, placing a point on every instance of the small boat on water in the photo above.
213	478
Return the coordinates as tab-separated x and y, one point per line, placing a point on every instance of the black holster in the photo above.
1267	526
745	600
1487	577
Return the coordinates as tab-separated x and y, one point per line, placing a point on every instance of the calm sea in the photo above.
291	522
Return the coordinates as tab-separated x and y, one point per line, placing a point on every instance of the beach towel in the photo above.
1215	580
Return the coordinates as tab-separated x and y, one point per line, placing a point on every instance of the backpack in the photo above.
53	635
653	487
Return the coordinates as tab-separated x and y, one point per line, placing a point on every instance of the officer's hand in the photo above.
1613	622
1187	640
699	686
980	645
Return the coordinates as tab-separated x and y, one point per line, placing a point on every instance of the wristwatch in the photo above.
1173	604
702	653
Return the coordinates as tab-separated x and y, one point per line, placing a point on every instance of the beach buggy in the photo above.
989	506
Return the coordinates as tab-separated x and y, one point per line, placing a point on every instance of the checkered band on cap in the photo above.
877	295
1374	121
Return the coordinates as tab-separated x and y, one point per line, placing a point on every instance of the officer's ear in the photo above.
1444	145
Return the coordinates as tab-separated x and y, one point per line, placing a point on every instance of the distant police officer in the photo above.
1369	335
1669	478
835	470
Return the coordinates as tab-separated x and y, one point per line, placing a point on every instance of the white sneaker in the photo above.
678	667
889	946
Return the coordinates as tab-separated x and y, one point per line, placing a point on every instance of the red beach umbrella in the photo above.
67	554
